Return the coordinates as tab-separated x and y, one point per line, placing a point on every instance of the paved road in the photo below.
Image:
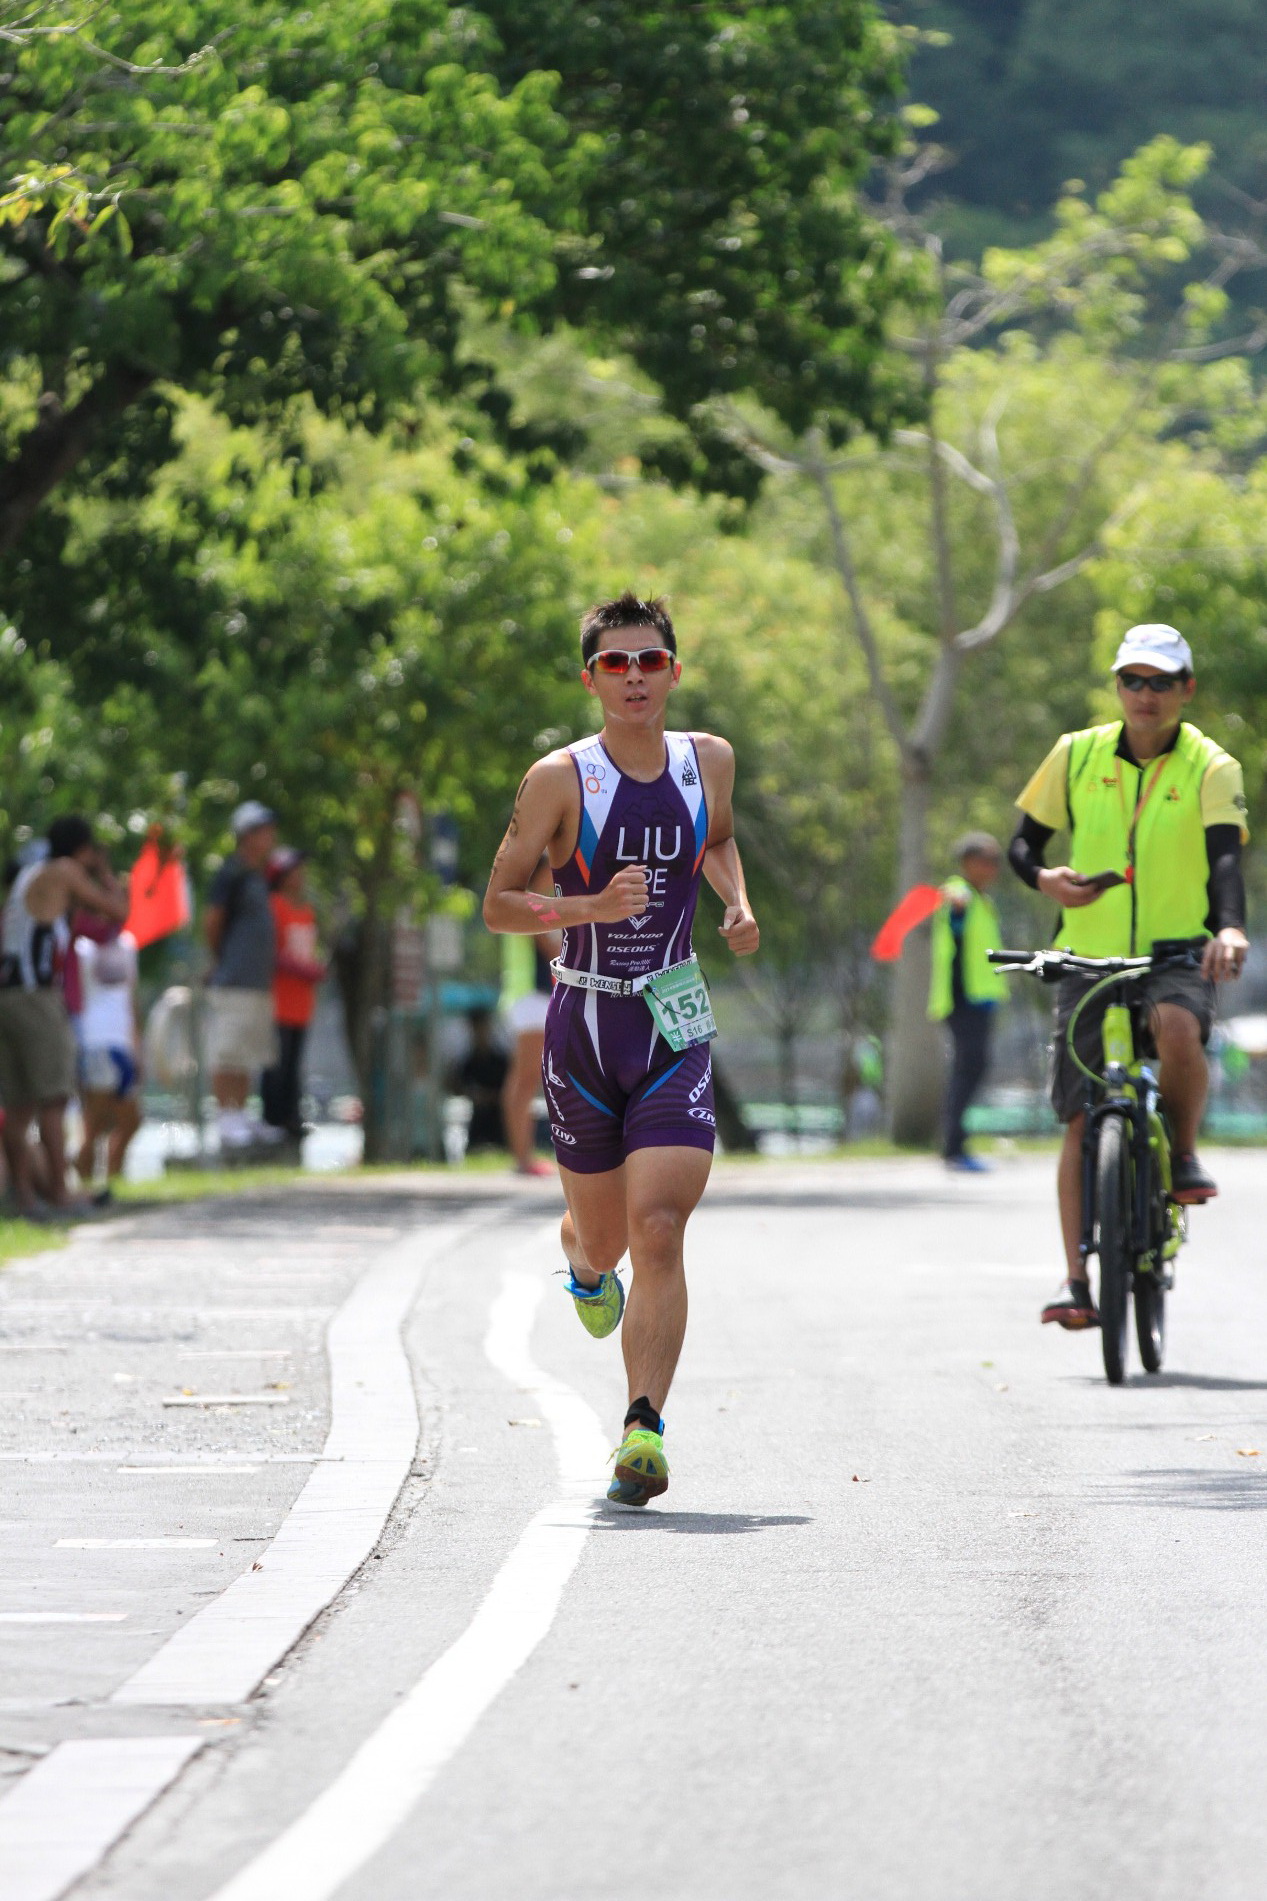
929	1611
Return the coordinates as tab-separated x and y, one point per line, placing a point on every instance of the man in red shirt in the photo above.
297	973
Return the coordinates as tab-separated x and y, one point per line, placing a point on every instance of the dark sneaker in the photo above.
1189	1181
1072	1307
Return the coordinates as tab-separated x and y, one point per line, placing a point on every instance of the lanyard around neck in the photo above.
1143	794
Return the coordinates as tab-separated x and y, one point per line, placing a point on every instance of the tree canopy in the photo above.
1031	93
254	205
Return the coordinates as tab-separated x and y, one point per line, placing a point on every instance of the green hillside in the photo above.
1032	92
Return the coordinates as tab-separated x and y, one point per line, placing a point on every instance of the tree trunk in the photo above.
59	441
914	1063
362	961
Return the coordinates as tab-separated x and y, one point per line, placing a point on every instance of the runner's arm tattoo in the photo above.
543	910
512	830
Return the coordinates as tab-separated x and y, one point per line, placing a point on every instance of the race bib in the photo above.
678	1000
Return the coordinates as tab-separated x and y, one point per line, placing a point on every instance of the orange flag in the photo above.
919	903
159	893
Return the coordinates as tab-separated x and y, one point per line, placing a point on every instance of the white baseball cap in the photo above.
249	816
1154	645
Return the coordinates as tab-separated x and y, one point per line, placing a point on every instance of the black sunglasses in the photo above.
1152	682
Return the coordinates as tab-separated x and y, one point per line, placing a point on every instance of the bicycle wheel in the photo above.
1113	1220
1150	1321
1150	1288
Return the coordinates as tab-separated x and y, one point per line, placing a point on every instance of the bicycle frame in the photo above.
1128	1088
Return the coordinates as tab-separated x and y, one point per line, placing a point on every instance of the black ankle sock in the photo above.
643	1413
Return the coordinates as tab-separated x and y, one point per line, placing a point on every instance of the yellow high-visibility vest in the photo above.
1145	822
982	983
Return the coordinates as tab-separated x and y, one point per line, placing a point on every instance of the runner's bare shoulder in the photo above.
716	757
550	790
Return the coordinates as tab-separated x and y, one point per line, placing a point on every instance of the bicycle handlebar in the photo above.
1053	964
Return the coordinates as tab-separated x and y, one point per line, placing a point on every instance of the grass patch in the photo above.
18	1237
195	1184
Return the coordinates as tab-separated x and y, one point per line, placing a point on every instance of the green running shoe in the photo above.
601	1307
642	1471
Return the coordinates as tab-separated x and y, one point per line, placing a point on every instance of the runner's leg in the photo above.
663	1187
595	1231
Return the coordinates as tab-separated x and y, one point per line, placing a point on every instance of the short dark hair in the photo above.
66	836
978	845
626	611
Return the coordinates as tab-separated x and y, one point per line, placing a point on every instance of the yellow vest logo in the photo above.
1109	782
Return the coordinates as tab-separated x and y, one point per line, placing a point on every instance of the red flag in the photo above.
160	895
919	903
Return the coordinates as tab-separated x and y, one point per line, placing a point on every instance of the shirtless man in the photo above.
37	1045
631	819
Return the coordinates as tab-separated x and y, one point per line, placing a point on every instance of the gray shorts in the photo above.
241	1034
1180	984
37	1048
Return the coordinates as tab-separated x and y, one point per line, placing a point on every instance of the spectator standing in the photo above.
966	987
109	1032
297	973
238	924
481	1077
37	1045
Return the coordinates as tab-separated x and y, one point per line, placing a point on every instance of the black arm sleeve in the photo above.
1029	842
1226	888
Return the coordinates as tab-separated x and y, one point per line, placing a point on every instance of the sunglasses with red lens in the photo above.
616	660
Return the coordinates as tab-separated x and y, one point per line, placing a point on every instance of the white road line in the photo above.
62	1617
195	1463
389	1773
234	1353
171	1471
157	1310
65	1813
135	1544
226	1399
332	1527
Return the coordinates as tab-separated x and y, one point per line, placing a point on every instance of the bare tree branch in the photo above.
863	628
1248	345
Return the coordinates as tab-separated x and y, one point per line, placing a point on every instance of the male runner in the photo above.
631	818
1151	798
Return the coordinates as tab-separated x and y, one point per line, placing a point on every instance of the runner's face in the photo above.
1151	715
634	698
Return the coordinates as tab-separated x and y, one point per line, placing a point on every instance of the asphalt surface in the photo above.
928	1610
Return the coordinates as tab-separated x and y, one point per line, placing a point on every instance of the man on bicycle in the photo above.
1150	798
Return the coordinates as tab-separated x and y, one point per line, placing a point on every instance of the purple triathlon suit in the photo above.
612	1082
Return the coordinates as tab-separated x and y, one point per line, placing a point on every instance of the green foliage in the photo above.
296	193
1031	93
722	244
322	618
257	206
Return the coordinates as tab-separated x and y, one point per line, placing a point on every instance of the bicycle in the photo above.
1128	1217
